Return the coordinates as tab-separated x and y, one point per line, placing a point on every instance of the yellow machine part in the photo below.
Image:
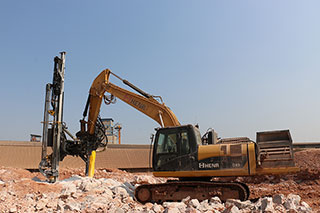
92	161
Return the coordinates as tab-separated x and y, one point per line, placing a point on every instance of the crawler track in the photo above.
178	190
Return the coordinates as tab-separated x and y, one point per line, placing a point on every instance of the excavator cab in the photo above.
175	148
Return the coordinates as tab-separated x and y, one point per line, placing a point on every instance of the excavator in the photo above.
180	153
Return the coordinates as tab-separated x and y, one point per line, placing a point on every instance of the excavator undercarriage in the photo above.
201	190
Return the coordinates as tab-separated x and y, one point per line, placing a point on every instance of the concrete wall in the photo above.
28	155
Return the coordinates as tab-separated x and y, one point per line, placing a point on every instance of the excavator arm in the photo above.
145	103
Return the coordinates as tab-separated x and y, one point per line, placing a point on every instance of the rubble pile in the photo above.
83	194
111	190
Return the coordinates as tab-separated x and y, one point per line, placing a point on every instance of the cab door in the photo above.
187	153
166	152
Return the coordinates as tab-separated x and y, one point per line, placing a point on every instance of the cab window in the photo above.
173	143
167	143
198	137
185	146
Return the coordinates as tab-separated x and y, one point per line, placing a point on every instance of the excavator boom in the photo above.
143	102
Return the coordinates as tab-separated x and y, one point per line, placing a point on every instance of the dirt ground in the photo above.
305	183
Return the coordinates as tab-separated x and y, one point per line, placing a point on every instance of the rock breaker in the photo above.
55	131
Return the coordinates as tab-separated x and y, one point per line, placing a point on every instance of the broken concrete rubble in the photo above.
267	205
278	199
116	194
79	194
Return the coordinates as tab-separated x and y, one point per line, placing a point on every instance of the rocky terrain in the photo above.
112	191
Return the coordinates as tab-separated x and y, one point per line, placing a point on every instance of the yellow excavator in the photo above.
179	151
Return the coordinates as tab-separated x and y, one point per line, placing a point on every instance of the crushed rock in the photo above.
113	191
81	194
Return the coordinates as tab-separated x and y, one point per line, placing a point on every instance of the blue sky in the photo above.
237	66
